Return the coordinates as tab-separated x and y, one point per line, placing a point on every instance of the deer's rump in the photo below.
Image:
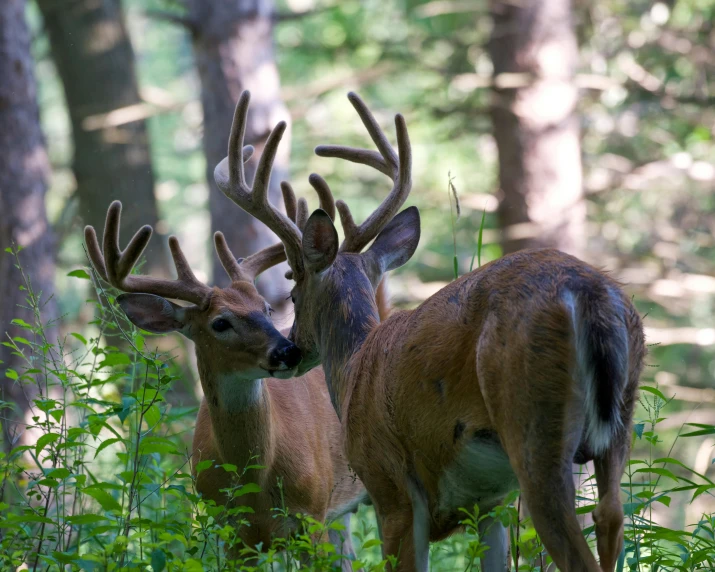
536	339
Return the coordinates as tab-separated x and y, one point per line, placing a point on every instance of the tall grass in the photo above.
103	479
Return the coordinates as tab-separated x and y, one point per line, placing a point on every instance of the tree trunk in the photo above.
24	171
534	52
95	62
233	43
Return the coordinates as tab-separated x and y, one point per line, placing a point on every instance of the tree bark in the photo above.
534	51
24	171
233	43
112	160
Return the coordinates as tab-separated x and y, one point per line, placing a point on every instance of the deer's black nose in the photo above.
287	355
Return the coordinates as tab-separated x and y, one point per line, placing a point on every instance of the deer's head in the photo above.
329	276
231	327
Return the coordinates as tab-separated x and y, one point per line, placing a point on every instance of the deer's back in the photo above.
418	392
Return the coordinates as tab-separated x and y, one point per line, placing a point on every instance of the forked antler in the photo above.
397	166
230	177
115	265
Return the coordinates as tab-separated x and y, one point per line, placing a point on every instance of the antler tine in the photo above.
289	200
119	263
183	270
265	165
263	260
325	195
246	270
303	214
228	260
396	166
235	141
115	265
385	161
95	252
230	178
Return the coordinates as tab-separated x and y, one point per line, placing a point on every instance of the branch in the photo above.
173	18
325	84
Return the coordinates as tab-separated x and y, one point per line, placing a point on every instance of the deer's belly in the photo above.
480	475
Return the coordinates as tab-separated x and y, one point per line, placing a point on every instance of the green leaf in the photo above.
659	471
79	274
114	359
80	337
158	560
664	499
704	430
478	252
48	483
81	519
203	465
106	443
246	489
45	440
638	429
700	490
156	445
152	416
106	501
21	323
655	391
11	374
372	542
59	473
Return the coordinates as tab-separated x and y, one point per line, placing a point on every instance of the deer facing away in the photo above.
249	408
501	380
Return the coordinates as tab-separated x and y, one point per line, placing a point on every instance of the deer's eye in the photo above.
220	325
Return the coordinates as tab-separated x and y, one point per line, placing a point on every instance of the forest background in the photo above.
586	126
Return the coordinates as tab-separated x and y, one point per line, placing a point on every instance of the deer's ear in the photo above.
152	313
397	242
320	241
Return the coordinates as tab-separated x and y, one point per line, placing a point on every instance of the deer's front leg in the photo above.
398	541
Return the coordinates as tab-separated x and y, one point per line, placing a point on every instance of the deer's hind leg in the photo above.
608	515
545	475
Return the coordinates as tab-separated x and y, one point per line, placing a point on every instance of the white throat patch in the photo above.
236	394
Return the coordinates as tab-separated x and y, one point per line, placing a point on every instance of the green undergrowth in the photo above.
99	476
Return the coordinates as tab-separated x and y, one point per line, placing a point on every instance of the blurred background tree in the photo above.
24	173
588	126
111	159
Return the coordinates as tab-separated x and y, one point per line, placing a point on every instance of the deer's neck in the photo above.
343	331
240	416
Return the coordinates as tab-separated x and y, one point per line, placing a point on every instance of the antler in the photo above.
246	269
230	177
115	265
396	166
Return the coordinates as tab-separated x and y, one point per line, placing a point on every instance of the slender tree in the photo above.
112	160
534	52
24	170
233	44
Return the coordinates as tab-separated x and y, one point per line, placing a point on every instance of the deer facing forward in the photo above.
249	408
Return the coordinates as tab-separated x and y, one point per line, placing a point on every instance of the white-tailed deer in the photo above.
248	408
501	380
